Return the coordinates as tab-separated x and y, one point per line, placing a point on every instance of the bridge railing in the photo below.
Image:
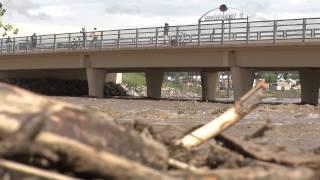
215	33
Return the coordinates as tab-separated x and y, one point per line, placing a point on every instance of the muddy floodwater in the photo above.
296	127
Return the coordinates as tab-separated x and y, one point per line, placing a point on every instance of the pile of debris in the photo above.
48	139
59	87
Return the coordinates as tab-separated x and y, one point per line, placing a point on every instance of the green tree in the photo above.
6	29
270	77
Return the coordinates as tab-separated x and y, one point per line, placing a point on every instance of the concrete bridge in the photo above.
236	46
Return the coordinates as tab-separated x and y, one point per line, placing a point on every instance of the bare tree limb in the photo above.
33	171
241	108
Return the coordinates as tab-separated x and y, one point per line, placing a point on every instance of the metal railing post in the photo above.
118	39
27	44
177	36
199	32
157	36
275	29
137	37
313	31
304	28
101	40
69	41
54	42
248	31
1	46
222	32
40	42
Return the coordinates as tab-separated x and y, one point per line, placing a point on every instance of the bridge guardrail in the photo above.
219	33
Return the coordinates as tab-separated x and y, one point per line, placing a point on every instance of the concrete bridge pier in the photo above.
154	80
209	82
242	81
310	84
96	80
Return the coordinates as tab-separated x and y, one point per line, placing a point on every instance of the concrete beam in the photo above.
96	80
310	84
154	80
242	81
209	82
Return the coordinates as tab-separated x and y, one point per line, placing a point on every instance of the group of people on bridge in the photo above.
33	42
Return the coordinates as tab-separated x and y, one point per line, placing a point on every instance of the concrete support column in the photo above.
154	80
96	80
116	78
310	84
209	81
242	81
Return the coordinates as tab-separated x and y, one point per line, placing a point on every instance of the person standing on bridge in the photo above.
84	37
94	35
166	32
33	41
9	43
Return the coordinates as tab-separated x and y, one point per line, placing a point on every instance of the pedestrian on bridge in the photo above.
34	41
84	37
94	35
166	32
9	43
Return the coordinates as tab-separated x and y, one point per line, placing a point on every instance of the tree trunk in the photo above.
78	123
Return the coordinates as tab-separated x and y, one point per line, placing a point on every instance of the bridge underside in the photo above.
242	62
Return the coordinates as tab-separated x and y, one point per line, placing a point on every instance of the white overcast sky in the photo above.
58	16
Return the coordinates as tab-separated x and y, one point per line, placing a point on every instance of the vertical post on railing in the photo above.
177	36
54	42
14	45
222	32
275	29
40	42
229	36
101	40
199	31
69	41
27	44
1	46
248	30
118	40
137	37
313	33
304	29
157	36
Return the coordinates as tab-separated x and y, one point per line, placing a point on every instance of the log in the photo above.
241	108
10	165
86	160
78	123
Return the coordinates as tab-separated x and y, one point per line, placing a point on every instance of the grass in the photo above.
134	80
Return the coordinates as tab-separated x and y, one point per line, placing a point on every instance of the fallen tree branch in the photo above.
14	166
183	166
82	124
89	143
241	108
86	159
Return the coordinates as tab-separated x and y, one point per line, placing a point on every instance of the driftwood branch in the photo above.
14	166
183	166
241	108
91	144
88	160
